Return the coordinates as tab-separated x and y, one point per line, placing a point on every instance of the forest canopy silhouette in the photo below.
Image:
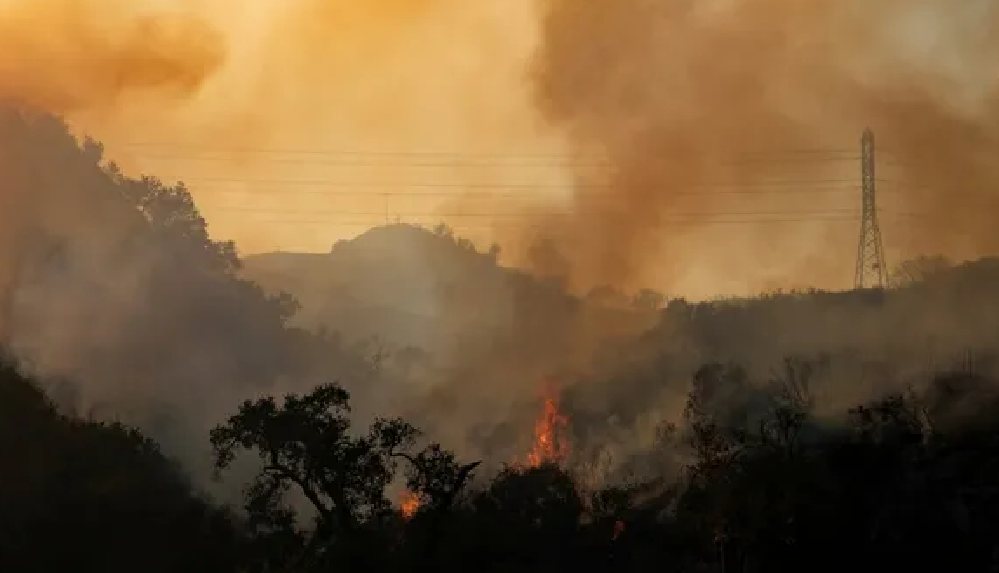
906	483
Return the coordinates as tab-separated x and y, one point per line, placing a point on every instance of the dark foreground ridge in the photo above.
907	483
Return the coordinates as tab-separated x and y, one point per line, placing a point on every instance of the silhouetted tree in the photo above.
305	444
918	269
648	299
526	520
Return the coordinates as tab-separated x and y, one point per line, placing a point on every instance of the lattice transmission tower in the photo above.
871	269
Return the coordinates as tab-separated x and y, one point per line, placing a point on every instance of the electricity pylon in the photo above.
871	269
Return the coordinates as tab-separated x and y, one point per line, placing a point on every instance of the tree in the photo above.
648	299
173	217
305	444
792	404
527	520
494	253
919	269
444	231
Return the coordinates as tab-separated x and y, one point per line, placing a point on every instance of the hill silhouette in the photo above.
415	287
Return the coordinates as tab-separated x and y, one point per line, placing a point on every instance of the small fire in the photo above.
619	528
551	441
409	504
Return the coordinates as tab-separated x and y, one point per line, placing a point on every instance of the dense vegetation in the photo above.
77	495
909	483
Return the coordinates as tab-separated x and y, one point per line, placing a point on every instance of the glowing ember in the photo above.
551	442
619	528
409	504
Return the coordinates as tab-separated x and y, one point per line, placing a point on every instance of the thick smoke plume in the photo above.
113	283
687	97
341	75
108	281
64	55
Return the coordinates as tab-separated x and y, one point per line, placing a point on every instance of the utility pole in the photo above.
871	269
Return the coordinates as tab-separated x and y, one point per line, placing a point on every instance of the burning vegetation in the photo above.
552	444
409	504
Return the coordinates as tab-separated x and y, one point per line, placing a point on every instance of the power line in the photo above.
659	225
452	154
356	152
348	162
501	194
485	162
523	214
531	186
467	160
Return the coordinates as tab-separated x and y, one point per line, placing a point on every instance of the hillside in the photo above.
851	346
471	343
408	286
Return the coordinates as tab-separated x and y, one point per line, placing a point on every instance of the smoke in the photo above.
842	349
472	344
326	76
665	103
64	55
104	280
685	99
112	294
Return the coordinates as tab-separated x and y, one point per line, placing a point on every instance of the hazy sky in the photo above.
368	111
315	119
300	122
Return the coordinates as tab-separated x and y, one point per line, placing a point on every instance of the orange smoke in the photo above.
409	504
691	101
66	54
551	441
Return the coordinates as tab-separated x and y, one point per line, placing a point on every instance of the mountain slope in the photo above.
474	343
411	287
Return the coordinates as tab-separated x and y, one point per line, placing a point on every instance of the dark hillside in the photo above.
88	496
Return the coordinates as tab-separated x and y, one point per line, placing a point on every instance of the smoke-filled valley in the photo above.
516	360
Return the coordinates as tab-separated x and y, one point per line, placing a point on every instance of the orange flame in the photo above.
409	504
551	442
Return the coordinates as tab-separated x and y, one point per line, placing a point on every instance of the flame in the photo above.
409	504
551	442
